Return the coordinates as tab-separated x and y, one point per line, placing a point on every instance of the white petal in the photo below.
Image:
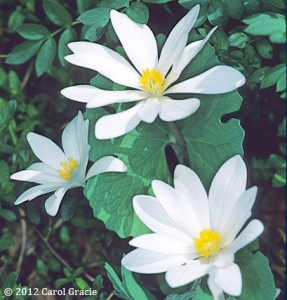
71	142
106	164
229	279
233	221
147	262
249	234
52	204
36	191
117	124
177	207
216	291
160	243
227	186
176	41
182	275
188	54
188	184
173	110
105	61
152	214
37	177
95	97
137	40
46	150
43	168
217	80
149	110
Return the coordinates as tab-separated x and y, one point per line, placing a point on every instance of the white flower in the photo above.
60	170
150	78
196	234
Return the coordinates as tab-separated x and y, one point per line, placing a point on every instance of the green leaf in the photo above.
99	16
279	178
216	12
252	6
265	49
10	281
138	12
278	3
191	3
255	273
6	114
57	13
33	31
67	36
185	296
23	52
134	290
202	294
273	75
82	284
156	1
234	9
8	214
117	284
6	243
239	40
98	282
16	19
267	24
115	4
45	57
84	5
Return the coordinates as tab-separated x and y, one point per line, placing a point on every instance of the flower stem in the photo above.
181	143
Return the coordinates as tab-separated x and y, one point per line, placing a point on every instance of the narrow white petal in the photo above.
173	110
227	186
149	110
137	40
160	243
36	191
106	164
176	41
217	80
117	124
177	207
229	279
95	97
153	215
105	61
52	204
148	262
249	234
43	168
233	221
46	150
109	97
188	184
37	177
81	93
71	138
182	275
216	291
189	52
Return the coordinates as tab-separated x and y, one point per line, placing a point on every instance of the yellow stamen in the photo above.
152	81
208	242
69	168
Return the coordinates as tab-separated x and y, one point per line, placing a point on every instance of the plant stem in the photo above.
181	142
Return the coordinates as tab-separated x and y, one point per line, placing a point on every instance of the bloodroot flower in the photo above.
150	77
195	234
60	170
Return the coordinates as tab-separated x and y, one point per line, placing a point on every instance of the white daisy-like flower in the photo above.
150	77
195	234
60	170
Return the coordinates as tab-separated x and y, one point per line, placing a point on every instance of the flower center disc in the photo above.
208	242
152	81
69	168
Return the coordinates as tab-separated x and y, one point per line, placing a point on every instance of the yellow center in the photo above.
69	167
208	242
152	81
